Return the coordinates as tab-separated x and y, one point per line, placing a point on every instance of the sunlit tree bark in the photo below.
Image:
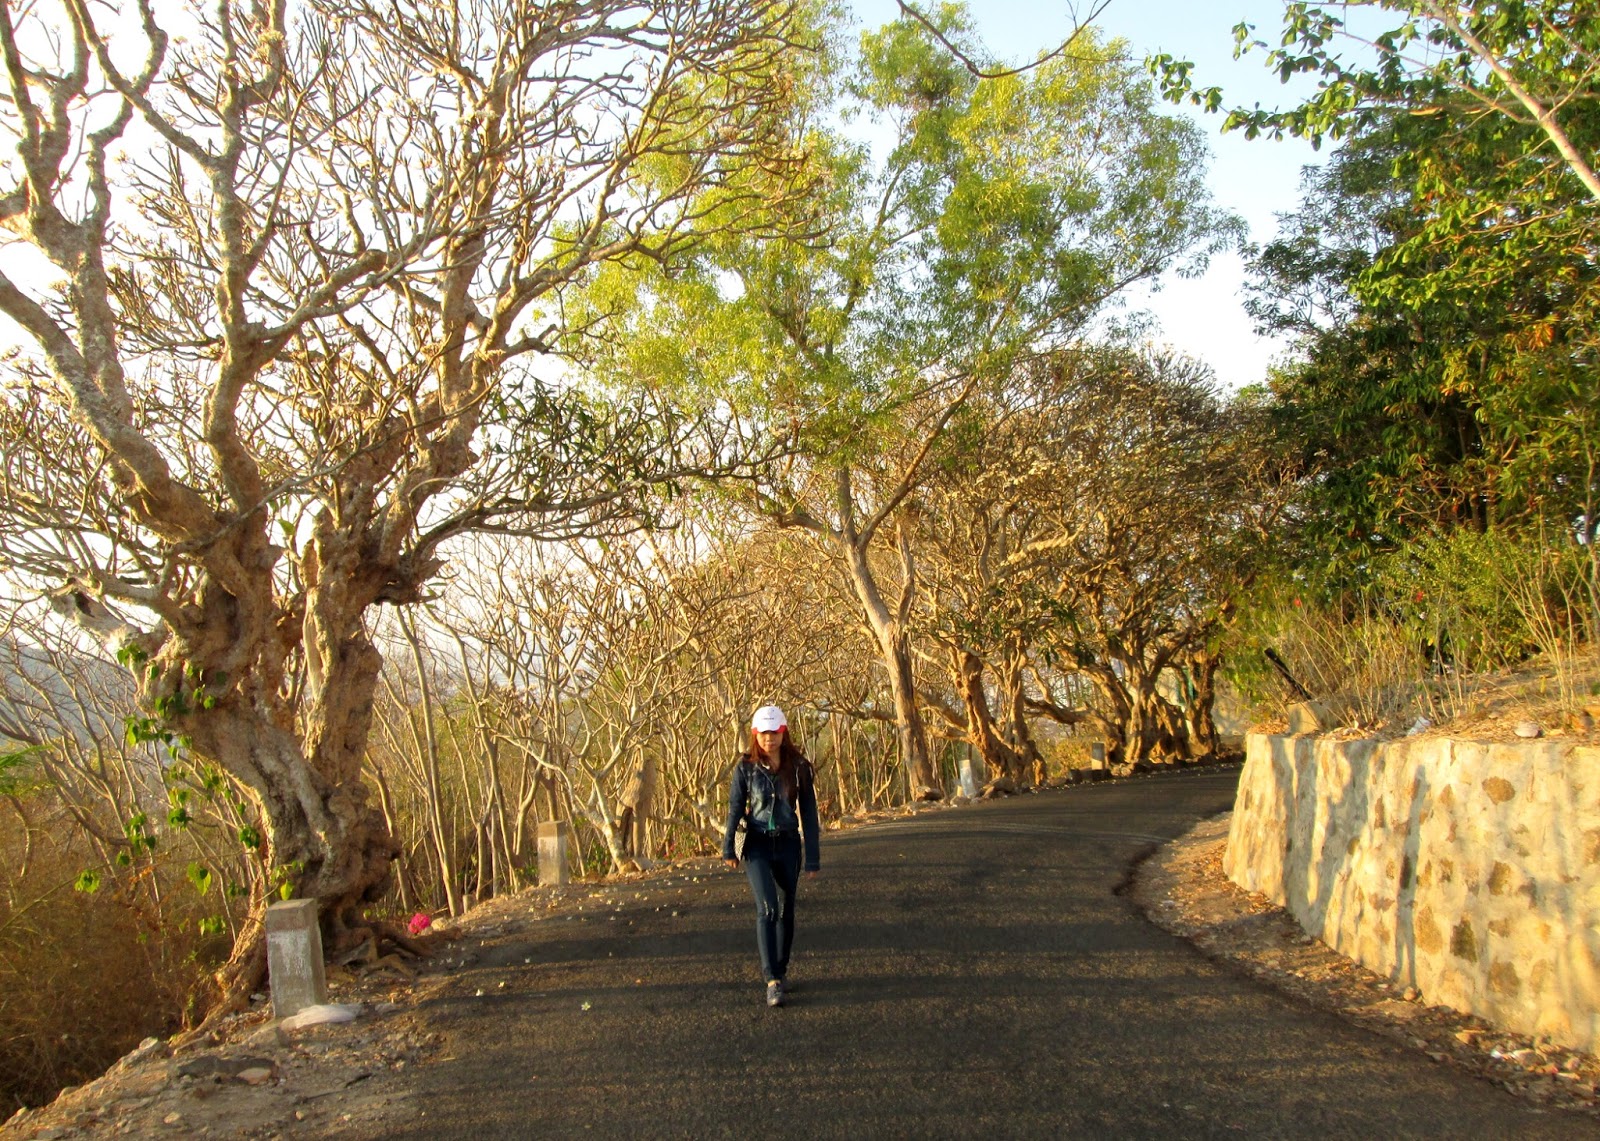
295	255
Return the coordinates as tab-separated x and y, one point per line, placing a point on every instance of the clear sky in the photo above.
1256	179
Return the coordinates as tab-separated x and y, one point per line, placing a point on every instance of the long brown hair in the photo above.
789	760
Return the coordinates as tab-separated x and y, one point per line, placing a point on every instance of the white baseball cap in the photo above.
767	719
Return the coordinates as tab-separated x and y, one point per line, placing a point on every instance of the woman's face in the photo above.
769	740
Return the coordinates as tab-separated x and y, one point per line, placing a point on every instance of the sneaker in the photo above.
774	993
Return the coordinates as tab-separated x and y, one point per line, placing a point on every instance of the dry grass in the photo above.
1558	693
1555	696
83	978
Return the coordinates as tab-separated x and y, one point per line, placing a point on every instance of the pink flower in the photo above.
419	923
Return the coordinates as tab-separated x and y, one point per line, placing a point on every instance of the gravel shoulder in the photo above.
1182	888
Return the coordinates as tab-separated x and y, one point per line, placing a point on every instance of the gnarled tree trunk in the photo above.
1000	758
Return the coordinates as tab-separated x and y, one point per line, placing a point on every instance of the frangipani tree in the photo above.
282	264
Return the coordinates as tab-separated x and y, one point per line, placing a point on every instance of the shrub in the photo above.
84	976
1416	629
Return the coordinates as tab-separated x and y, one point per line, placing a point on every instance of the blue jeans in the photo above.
772	864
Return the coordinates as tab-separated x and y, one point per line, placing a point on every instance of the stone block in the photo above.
294	957
1097	756
553	853
971	776
1310	717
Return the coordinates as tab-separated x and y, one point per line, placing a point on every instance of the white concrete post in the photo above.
1097	755
971	785
553	852
294	957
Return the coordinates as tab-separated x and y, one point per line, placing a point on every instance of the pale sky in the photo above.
1256	180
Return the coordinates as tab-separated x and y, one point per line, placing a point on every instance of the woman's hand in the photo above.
812	875
734	864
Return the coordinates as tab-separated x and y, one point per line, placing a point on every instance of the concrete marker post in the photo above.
294	957
553	853
971	777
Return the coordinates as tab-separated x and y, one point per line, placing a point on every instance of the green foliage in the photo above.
1438	58
284	877
142	730
1441	271
178	815
18	775
1459	592
131	655
1438	386
1002	216
140	836
1422	625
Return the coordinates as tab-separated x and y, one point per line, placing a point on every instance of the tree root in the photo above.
352	942
240	977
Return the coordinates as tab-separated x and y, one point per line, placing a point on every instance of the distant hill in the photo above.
50	693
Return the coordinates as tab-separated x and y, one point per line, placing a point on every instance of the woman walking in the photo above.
774	796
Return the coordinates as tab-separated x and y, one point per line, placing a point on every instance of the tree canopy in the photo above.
976	223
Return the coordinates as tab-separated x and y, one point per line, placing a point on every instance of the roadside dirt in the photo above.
251	1079
1181	887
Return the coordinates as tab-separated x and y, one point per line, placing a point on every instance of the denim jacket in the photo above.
755	798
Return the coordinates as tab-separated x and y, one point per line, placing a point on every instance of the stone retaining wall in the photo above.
1468	870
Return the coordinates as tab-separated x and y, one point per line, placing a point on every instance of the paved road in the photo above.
970	973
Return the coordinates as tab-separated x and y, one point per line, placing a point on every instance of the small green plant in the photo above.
18	776
284	877
141	839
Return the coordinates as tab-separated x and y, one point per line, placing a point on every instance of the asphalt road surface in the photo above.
970	973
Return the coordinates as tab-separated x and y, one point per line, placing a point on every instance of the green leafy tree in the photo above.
1448	329
1533	64
983	220
1438	386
